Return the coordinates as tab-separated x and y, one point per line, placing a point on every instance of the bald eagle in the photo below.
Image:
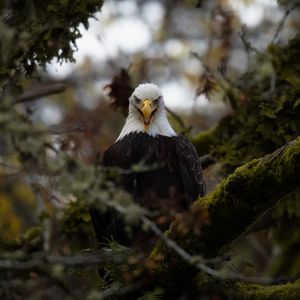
170	186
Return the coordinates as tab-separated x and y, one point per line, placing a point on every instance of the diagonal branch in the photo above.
177	118
282	23
233	206
242	198
40	91
76	260
200	263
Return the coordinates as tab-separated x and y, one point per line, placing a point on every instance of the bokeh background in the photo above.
213	60
169	43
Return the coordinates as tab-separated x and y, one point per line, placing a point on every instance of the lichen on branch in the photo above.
232	207
243	197
242	291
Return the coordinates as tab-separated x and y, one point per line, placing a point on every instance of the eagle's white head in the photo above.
147	112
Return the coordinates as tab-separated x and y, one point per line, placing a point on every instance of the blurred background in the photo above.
220	65
169	43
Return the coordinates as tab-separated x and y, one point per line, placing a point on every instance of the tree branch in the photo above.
243	291
206	161
243	197
177	118
202	264
281	23
204	140
40	91
76	260
232	207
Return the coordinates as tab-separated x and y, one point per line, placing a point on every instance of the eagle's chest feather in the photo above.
156	176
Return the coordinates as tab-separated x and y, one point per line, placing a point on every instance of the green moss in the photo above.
9	244
31	240
204	141
32	233
242	198
232	207
207	286
76	225
243	291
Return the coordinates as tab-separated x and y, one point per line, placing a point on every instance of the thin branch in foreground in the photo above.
206	161
9	166
118	290
198	261
79	126
177	118
65	129
247	44
76	260
37	92
281	24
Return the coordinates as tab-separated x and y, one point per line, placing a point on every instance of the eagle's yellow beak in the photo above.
148	110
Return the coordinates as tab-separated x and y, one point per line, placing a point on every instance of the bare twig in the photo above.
198	261
79	126
12	171
64	129
177	118
119	290
9	166
281	24
206	161
76	260
47	226
247	45
37	92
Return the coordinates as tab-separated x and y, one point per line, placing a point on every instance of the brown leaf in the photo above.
207	84
120	90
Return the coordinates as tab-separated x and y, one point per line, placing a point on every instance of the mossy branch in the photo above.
246	291
242	198
242	291
204	140
232	207
237	202
40	91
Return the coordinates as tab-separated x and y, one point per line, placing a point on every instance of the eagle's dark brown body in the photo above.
170	181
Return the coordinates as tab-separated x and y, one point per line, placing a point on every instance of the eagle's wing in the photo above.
190	169
109	225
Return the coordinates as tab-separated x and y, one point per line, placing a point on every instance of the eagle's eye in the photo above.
156	100
137	100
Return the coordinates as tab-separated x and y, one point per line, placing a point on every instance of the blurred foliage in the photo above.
267	107
76	225
48	29
288	3
266	116
48	173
